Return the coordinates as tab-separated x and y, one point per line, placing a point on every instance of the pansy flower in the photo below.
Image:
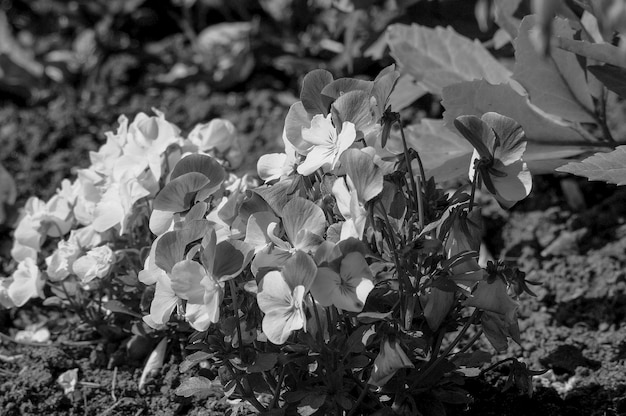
304	225
326	145
499	144
346	286
281	297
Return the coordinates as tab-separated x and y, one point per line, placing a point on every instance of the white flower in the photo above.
96	263
327	146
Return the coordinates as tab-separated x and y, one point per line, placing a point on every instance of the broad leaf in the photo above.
603	52
557	84
199	387
613	77
440	57
608	167
479	97
439	149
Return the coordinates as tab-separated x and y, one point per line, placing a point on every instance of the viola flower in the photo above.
27	283
163	302
499	144
389	360
203	292
52	218
219	137
59	264
281	297
304	224
96	263
326	144
347	289
148	138
274	166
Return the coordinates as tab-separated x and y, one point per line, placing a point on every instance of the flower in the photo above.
281	297
60	262
96	263
27	283
192	282
389	360
348	289
326	144
499	144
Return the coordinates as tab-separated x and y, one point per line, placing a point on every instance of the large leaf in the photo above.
603	52
557	83
613	77
438	147
607	167
479	97
440	57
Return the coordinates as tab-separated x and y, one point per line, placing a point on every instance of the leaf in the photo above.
613	77
311	403
263	362
479	97
119	307
608	167
557	83
199	387
603	52
438	147
193	359
440	57
406	91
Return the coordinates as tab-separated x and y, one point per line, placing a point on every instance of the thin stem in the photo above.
420	205
320	330
233	294
281	377
471	342
474	183
494	365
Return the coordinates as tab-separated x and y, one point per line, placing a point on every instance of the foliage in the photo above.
345	274
340	277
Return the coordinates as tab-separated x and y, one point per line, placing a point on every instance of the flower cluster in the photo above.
342	266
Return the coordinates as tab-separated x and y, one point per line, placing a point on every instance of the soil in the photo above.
574	328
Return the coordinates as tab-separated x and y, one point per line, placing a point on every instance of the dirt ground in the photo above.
575	328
